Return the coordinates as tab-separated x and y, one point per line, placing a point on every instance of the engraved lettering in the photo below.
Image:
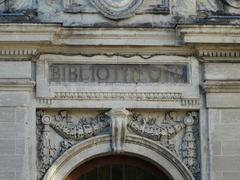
83	78
102	73
92	68
154	74
55	73
73	74
119	73
136	74
125	74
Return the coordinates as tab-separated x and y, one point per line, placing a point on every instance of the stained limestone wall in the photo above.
223	105
15	108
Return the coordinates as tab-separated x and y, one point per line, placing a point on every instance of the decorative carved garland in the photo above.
69	131
165	131
152	96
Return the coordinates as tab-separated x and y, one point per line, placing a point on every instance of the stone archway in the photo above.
134	146
118	167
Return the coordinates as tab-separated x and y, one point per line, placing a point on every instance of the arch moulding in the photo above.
134	146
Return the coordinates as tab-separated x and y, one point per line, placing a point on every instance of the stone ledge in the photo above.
221	86
56	34
16	85
224	34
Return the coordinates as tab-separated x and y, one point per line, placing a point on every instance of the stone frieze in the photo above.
59	130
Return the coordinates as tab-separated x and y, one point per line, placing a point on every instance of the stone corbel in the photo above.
119	126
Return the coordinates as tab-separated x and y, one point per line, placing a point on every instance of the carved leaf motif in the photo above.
149	129
70	132
188	147
47	151
166	131
85	128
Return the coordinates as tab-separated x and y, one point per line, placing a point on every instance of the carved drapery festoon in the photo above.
58	131
170	131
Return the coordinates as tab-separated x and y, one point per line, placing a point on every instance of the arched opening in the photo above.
134	146
117	167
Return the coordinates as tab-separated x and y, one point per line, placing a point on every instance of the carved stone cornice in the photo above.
27	33
138	96
221	86
190	101
18	53
55	34
16	85
211	34
219	54
111	36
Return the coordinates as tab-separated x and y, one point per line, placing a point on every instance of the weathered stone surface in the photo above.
14	98
209	5
230	116
224	100
230	148
232	6
202	39
230	175
20	146
185	7
226	163
217	147
215	71
7	175
7	114
11	163
15	70
7	146
225	132
12	130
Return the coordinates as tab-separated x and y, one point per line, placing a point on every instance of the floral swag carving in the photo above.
71	133
165	133
59	131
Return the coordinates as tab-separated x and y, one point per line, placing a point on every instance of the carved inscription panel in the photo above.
107	73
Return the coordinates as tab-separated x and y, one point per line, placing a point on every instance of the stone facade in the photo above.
156	79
